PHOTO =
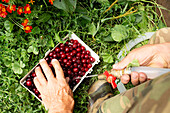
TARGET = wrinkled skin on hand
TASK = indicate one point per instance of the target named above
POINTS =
(55, 92)
(153, 55)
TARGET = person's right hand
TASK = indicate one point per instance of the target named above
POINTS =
(155, 55)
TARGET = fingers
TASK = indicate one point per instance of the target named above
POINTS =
(47, 70)
(142, 77)
(37, 84)
(40, 76)
(58, 69)
(135, 78)
(125, 79)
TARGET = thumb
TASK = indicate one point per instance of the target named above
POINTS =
(122, 64)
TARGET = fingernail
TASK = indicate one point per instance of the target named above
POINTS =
(53, 60)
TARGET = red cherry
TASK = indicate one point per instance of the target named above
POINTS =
(74, 52)
(92, 59)
(78, 54)
(67, 43)
(78, 49)
(68, 63)
(84, 52)
(51, 54)
(77, 81)
(80, 72)
(39, 96)
(75, 74)
(84, 65)
(83, 73)
(67, 54)
(61, 45)
(75, 41)
(33, 74)
(86, 56)
(57, 49)
(87, 52)
(89, 65)
(86, 69)
(83, 60)
(47, 59)
(63, 55)
(28, 83)
(67, 49)
(65, 61)
(82, 56)
(54, 55)
(70, 47)
(60, 60)
(54, 52)
(62, 48)
(74, 45)
(75, 64)
(61, 52)
(71, 41)
(50, 65)
(83, 48)
(36, 91)
(58, 54)
(69, 72)
(69, 57)
(65, 65)
(78, 44)
(74, 60)
(51, 58)
(82, 68)
(71, 53)
(75, 70)
(88, 61)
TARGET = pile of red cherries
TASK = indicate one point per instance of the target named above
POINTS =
(74, 59)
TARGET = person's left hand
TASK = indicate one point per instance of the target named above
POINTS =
(55, 92)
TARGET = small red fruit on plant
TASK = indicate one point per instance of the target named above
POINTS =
(75, 70)
(28, 83)
(89, 65)
(50, 54)
(87, 52)
(75, 41)
(57, 49)
(33, 74)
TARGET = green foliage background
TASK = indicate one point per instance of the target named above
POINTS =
(19, 52)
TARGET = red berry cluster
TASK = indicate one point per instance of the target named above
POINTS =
(30, 84)
(74, 59)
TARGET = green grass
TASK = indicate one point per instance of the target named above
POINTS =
(14, 43)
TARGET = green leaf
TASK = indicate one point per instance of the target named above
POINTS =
(119, 32)
(134, 63)
(66, 5)
(51, 42)
(36, 30)
(33, 49)
(8, 25)
(30, 49)
(58, 39)
(44, 18)
(107, 58)
(16, 68)
(0, 71)
(92, 29)
(22, 65)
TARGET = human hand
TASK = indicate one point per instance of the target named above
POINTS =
(55, 92)
(155, 55)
